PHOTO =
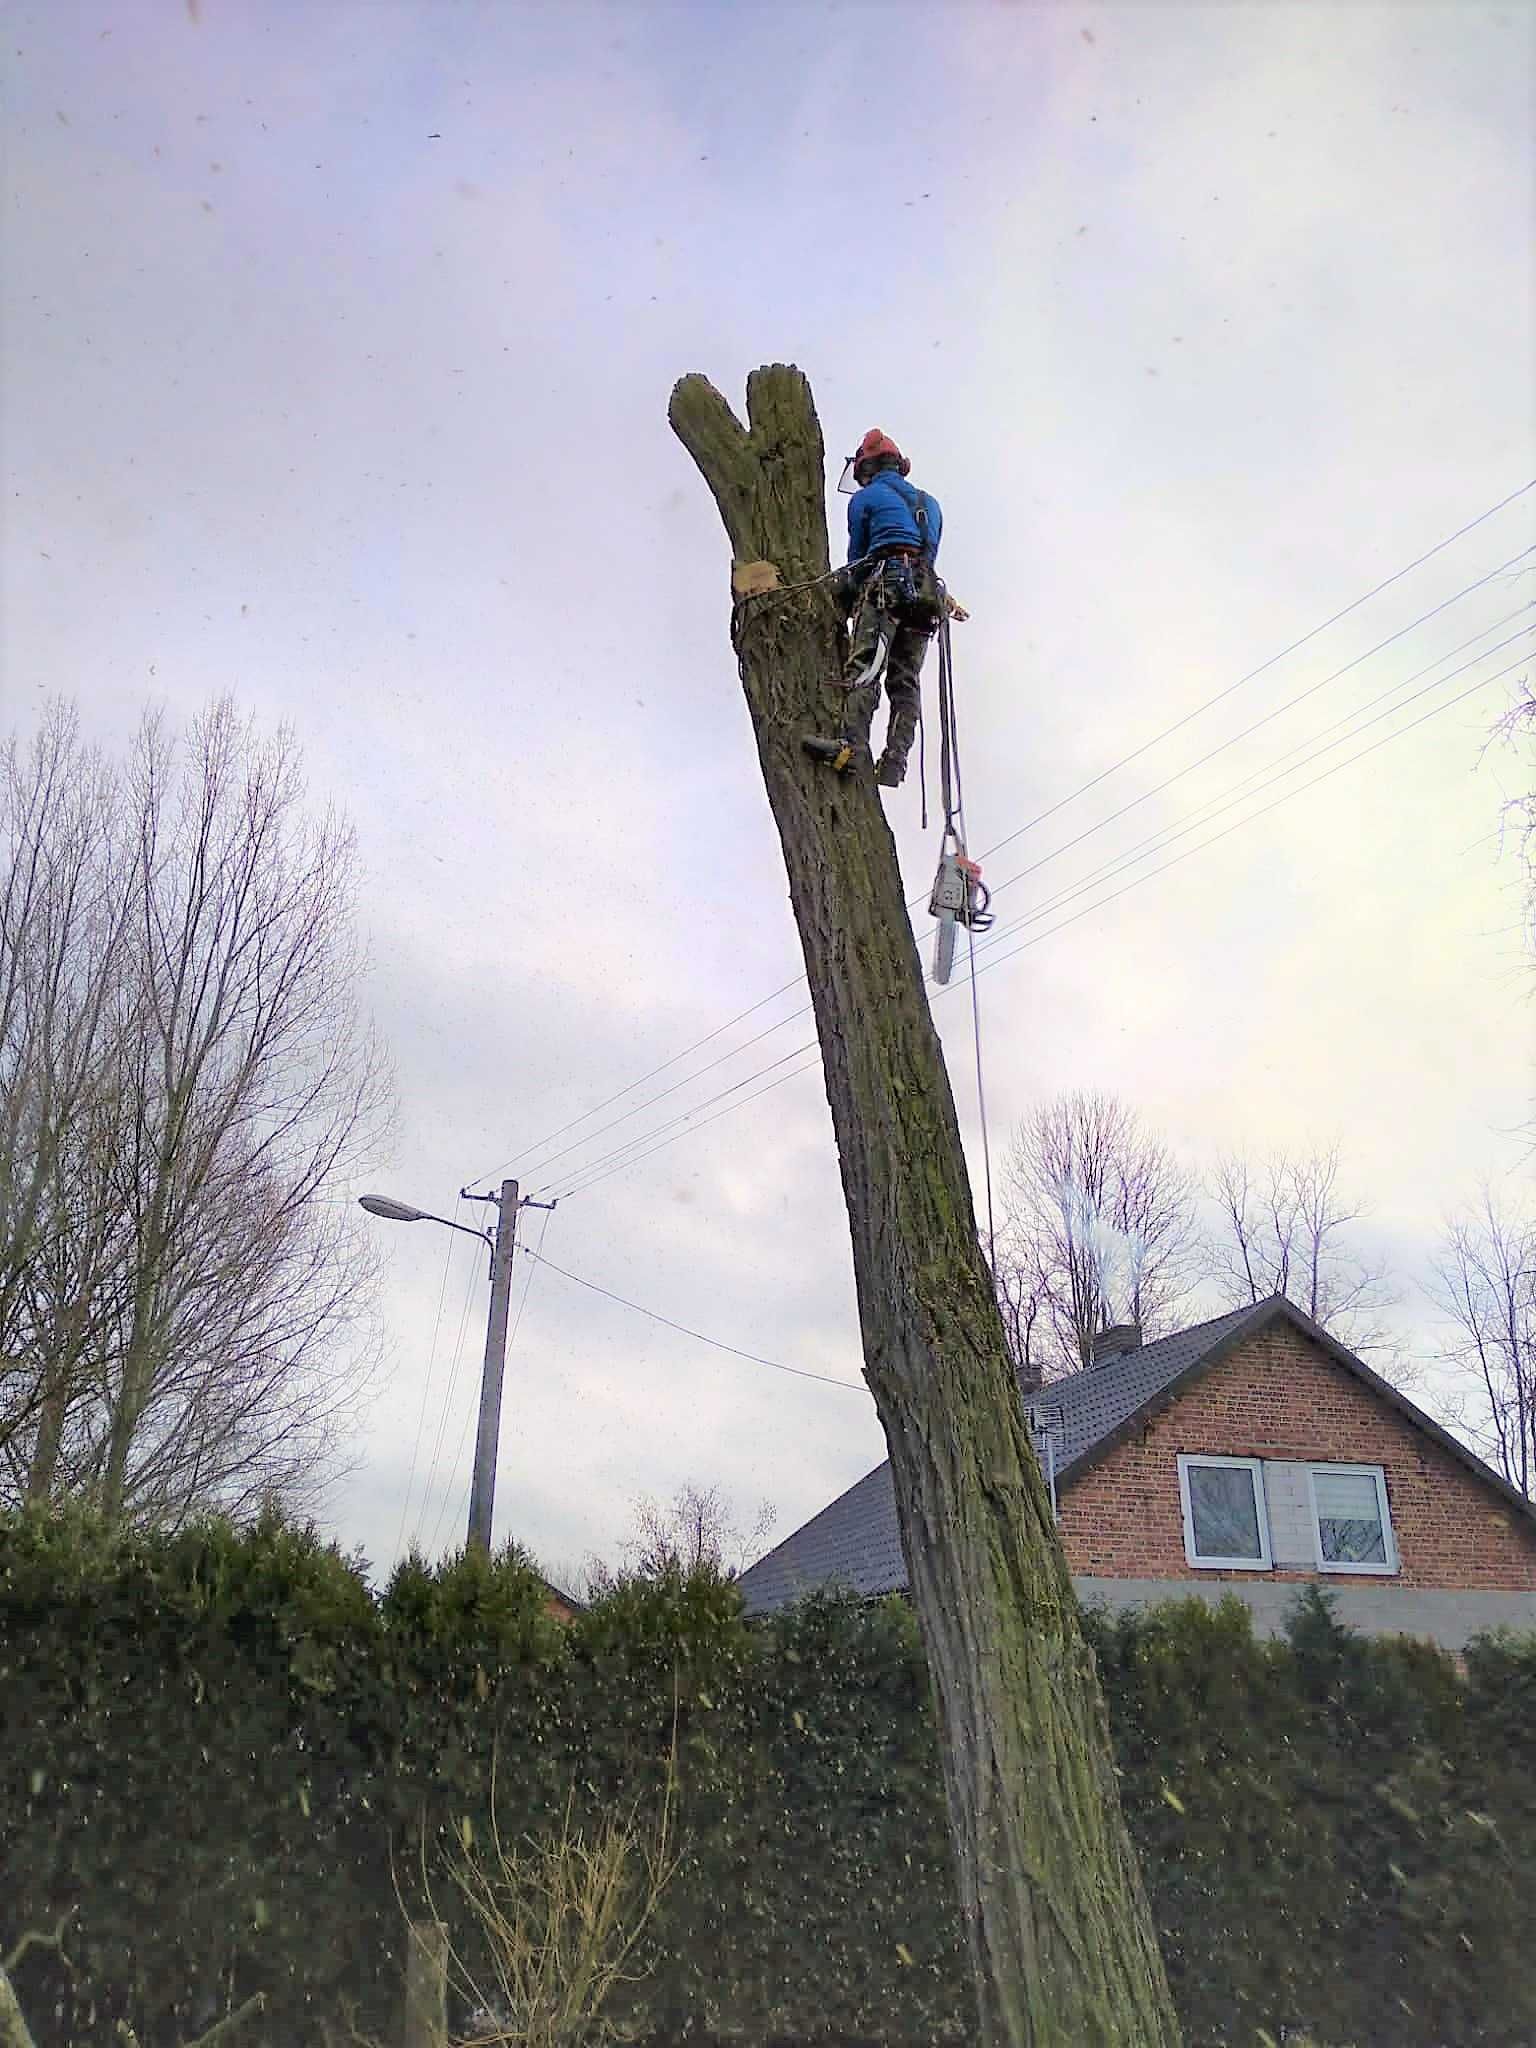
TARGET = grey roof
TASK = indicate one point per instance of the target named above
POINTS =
(855, 1544)
(1089, 1406)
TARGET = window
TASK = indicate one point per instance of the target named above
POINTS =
(1349, 1509)
(1224, 1519)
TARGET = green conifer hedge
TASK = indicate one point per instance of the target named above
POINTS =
(228, 1761)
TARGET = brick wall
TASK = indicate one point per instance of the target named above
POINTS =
(1280, 1396)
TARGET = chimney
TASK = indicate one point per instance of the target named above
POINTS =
(1115, 1343)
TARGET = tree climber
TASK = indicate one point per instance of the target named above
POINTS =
(891, 588)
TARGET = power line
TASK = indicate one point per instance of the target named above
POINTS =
(697, 1075)
(1100, 825)
(426, 1389)
(583, 1186)
(1253, 673)
(1237, 792)
(442, 1420)
(1203, 760)
(583, 1176)
(683, 1117)
(1310, 783)
(805, 1066)
(543, 1166)
(618, 1095)
(698, 1335)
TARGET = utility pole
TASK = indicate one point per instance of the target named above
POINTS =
(503, 1242)
(482, 1492)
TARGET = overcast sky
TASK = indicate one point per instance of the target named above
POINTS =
(338, 337)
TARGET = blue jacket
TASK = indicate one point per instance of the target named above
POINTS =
(881, 516)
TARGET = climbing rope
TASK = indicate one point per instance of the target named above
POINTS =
(981, 1103)
(952, 796)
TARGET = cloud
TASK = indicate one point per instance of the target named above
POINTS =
(1198, 331)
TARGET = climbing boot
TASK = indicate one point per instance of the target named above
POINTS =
(891, 770)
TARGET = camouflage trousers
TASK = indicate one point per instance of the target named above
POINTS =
(874, 621)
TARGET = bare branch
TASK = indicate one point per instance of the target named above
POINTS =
(184, 1305)
(1285, 1228)
(1100, 1220)
(1485, 1286)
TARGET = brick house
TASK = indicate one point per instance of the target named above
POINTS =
(1252, 1454)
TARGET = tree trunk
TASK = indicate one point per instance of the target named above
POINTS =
(1061, 1938)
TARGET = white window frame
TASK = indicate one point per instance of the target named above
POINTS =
(1389, 1539)
(1262, 1562)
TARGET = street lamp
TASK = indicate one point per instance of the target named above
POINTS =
(482, 1492)
(402, 1212)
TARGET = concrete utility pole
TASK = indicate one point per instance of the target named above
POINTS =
(503, 1242)
(482, 1492)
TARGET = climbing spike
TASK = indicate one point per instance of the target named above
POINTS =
(838, 754)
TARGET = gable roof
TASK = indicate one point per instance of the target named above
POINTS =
(854, 1543)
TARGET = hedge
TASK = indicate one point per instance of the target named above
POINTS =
(226, 1760)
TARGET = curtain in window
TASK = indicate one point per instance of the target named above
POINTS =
(1349, 1518)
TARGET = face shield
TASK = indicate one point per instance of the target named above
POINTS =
(848, 483)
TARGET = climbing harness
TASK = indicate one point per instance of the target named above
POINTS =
(960, 897)
(902, 590)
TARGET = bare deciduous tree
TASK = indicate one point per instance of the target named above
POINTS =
(1285, 1228)
(696, 1530)
(63, 916)
(1099, 1231)
(188, 1281)
(1485, 1283)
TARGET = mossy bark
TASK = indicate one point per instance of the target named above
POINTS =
(1061, 1939)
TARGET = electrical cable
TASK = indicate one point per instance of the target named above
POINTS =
(584, 1185)
(535, 1165)
(1202, 760)
(580, 1177)
(529, 1158)
(981, 1101)
(623, 1166)
(1385, 740)
(856, 1386)
(1254, 673)
(442, 1420)
(1262, 773)
(1067, 845)
(682, 1116)
(1213, 807)
(426, 1388)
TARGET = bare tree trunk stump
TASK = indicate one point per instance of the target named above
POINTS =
(1061, 1939)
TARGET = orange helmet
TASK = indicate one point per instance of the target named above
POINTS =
(875, 447)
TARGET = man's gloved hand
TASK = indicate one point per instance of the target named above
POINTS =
(957, 612)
